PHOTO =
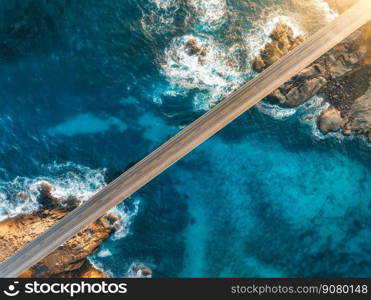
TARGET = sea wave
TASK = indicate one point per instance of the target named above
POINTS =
(68, 180)
(104, 253)
(258, 36)
(211, 74)
(275, 111)
(161, 19)
(328, 13)
(210, 13)
(313, 108)
(126, 213)
(223, 69)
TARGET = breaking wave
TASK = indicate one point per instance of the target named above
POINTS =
(68, 179)
(126, 213)
(210, 13)
(258, 36)
(275, 111)
(222, 69)
(136, 271)
(211, 74)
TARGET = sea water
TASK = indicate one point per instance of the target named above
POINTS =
(88, 88)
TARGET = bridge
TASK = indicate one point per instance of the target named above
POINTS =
(188, 139)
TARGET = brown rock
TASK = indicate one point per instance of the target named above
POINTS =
(283, 41)
(17, 231)
(193, 48)
(146, 272)
(341, 5)
(330, 120)
(258, 64)
(359, 118)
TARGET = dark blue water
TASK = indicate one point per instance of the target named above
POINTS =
(87, 88)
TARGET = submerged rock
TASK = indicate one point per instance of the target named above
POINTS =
(68, 260)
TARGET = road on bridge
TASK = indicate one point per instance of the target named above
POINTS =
(188, 139)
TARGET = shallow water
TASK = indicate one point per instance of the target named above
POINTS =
(97, 85)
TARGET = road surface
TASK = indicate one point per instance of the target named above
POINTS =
(188, 139)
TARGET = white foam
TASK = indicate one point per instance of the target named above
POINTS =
(210, 74)
(126, 215)
(135, 270)
(164, 4)
(160, 20)
(315, 106)
(257, 37)
(69, 180)
(275, 111)
(210, 13)
(104, 253)
(99, 266)
(323, 6)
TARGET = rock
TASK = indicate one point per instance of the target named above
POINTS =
(17, 231)
(359, 117)
(343, 91)
(283, 41)
(342, 60)
(341, 5)
(330, 120)
(341, 75)
(338, 69)
(298, 95)
(308, 117)
(294, 96)
(193, 48)
(145, 272)
(86, 271)
(258, 64)
(366, 43)
(47, 200)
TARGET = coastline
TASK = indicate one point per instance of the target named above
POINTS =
(70, 259)
(341, 77)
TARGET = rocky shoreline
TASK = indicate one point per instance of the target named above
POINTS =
(341, 77)
(70, 259)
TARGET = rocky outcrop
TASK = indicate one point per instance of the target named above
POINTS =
(283, 41)
(192, 48)
(359, 116)
(340, 61)
(330, 120)
(341, 5)
(342, 76)
(68, 260)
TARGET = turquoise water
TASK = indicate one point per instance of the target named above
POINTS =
(97, 85)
